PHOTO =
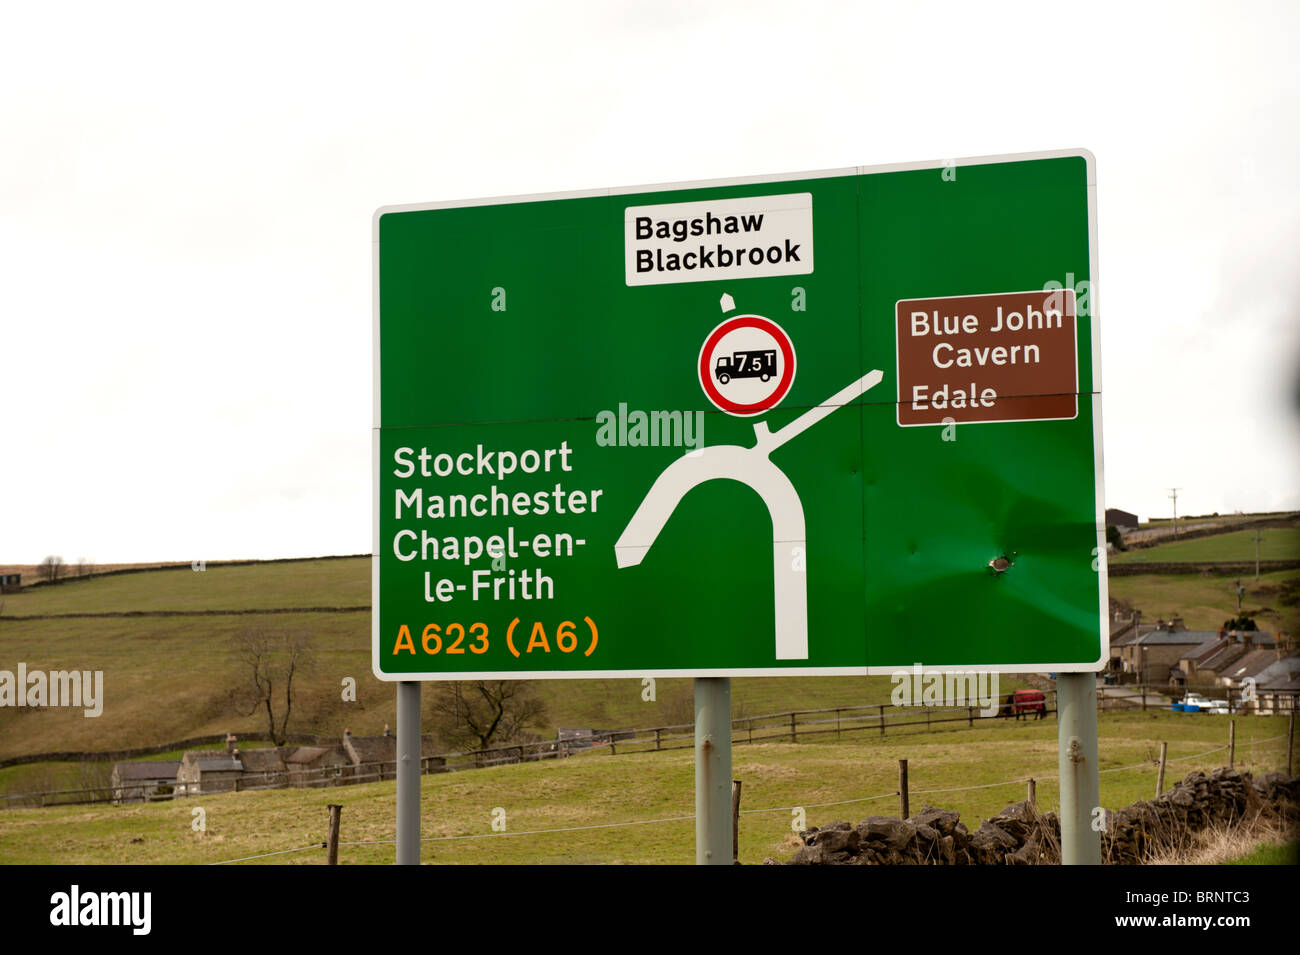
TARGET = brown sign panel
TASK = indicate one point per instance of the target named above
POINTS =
(1003, 357)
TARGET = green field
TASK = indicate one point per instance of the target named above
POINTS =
(1205, 602)
(168, 678)
(599, 790)
(306, 583)
(171, 678)
(1276, 543)
(1288, 854)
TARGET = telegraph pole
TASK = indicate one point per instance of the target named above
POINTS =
(1173, 493)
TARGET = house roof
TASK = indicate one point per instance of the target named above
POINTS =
(1167, 638)
(217, 764)
(165, 769)
(1125, 638)
(1252, 664)
(374, 749)
(1202, 651)
(1224, 657)
(1279, 673)
(383, 749)
(308, 754)
(265, 760)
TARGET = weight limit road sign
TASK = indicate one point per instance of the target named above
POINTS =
(828, 423)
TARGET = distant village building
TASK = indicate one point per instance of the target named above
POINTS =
(1122, 520)
(1152, 657)
(204, 771)
(357, 759)
(143, 781)
(316, 765)
(11, 583)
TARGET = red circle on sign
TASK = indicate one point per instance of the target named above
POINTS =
(787, 373)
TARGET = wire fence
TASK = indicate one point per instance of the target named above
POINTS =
(1147, 765)
(881, 719)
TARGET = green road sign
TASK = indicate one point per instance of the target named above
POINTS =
(828, 423)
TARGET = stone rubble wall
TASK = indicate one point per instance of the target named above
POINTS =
(1020, 835)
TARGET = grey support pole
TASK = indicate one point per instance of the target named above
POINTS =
(408, 773)
(713, 771)
(1076, 715)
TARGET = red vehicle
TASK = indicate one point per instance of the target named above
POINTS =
(1025, 703)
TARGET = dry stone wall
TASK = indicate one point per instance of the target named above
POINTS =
(1020, 835)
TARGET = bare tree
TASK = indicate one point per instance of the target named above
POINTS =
(85, 567)
(478, 713)
(270, 661)
(50, 568)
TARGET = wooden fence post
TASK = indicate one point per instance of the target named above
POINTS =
(792, 736)
(902, 788)
(1232, 742)
(882, 719)
(332, 845)
(657, 737)
(1160, 774)
(735, 822)
(1290, 735)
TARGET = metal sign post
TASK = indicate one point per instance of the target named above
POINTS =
(1076, 715)
(408, 773)
(713, 771)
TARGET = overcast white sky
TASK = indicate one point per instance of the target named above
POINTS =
(186, 195)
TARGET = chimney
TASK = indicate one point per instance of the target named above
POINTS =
(387, 732)
(230, 743)
(1248, 639)
(347, 733)
(1176, 624)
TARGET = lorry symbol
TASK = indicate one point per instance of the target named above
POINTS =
(760, 363)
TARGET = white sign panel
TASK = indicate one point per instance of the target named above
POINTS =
(718, 239)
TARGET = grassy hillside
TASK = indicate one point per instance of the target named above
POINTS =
(1205, 602)
(1277, 543)
(596, 790)
(170, 678)
(307, 583)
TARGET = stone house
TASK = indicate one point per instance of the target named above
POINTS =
(316, 765)
(1152, 656)
(143, 781)
(375, 757)
(207, 771)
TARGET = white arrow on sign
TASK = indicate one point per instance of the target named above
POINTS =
(751, 466)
